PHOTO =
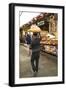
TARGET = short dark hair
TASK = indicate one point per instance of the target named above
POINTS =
(35, 34)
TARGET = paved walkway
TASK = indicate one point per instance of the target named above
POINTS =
(47, 64)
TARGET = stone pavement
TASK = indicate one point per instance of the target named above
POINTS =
(47, 64)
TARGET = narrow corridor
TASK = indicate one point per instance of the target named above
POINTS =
(47, 64)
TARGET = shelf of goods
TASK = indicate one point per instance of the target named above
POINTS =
(49, 46)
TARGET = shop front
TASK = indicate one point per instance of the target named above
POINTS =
(46, 25)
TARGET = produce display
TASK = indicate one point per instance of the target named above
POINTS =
(49, 45)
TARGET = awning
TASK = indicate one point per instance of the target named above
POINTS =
(34, 28)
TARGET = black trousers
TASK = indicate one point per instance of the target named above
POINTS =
(35, 61)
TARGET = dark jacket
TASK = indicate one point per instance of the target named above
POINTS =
(35, 45)
(28, 39)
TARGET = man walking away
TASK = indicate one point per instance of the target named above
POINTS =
(35, 46)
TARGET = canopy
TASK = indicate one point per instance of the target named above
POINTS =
(34, 28)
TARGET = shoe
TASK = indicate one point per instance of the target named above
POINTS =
(35, 74)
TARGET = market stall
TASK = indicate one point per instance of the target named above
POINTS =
(49, 44)
(45, 24)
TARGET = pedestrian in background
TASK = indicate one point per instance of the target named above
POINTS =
(28, 41)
